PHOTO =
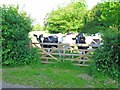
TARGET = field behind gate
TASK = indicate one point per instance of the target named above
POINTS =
(79, 57)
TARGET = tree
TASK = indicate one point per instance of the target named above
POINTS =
(37, 27)
(110, 14)
(103, 16)
(69, 18)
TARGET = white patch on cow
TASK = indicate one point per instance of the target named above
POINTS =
(42, 38)
(88, 39)
(68, 39)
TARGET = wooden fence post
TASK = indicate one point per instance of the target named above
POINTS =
(30, 43)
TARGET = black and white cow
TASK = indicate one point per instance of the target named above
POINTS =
(48, 39)
(80, 39)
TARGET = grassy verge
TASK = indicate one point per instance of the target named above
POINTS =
(59, 75)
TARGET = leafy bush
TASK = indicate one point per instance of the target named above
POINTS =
(15, 41)
(106, 57)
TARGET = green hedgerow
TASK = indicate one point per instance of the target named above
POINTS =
(15, 42)
(106, 57)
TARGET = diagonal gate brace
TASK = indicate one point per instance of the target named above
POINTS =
(46, 52)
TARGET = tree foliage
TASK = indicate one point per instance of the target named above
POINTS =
(69, 18)
(110, 14)
(102, 17)
(15, 41)
(37, 27)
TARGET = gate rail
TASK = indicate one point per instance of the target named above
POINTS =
(79, 57)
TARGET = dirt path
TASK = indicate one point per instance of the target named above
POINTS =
(8, 85)
(4, 84)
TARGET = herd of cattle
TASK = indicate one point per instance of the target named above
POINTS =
(69, 38)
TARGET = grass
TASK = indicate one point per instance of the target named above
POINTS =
(59, 75)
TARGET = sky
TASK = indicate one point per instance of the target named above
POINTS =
(38, 9)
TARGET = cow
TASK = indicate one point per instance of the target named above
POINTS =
(94, 40)
(67, 42)
(48, 39)
(80, 39)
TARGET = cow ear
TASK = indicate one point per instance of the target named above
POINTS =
(73, 38)
(34, 35)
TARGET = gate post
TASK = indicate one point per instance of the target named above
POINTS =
(30, 43)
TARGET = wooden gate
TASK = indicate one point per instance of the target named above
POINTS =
(79, 57)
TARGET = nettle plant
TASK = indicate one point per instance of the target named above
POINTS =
(15, 28)
(106, 58)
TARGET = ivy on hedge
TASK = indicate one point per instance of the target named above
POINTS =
(106, 57)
